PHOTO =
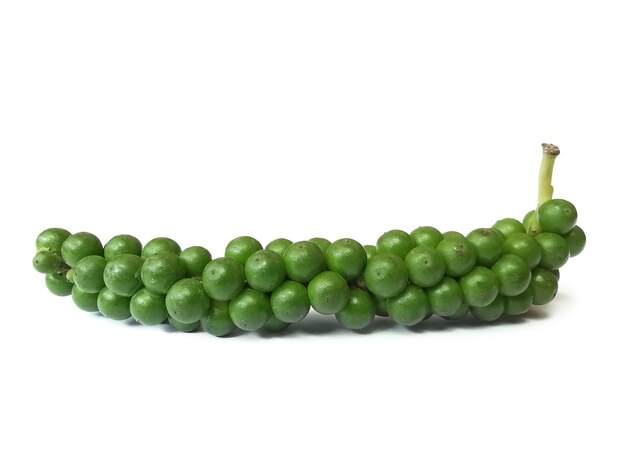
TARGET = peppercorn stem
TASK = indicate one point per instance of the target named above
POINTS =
(546, 190)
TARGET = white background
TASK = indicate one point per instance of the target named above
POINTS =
(203, 121)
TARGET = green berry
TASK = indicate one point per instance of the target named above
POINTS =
(528, 219)
(386, 275)
(321, 243)
(279, 245)
(162, 271)
(47, 262)
(69, 275)
(241, 248)
(51, 239)
(487, 244)
(508, 226)
(290, 302)
(410, 306)
(557, 216)
(358, 312)
(513, 274)
(426, 235)
(89, 274)
(346, 257)
(554, 250)
(480, 286)
(79, 245)
(490, 312)
(122, 245)
(445, 298)
(396, 242)
(543, 286)
(195, 259)
(275, 325)
(265, 270)
(303, 261)
(458, 254)
(160, 245)
(183, 327)
(425, 265)
(576, 240)
(250, 310)
(370, 251)
(186, 301)
(223, 278)
(518, 304)
(148, 308)
(123, 274)
(86, 301)
(113, 306)
(524, 246)
(58, 284)
(328, 292)
(217, 320)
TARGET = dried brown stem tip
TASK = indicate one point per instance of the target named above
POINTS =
(550, 149)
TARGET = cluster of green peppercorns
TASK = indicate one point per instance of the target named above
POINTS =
(407, 276)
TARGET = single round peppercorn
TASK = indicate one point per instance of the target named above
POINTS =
(328, 292)
(303, 261)
(346, 257)
(86, 301)
(217, 320)
(461, 312)
(321, 243)
(89, 274)
(79, 245)
(445, 298)
(480, 286)
(290, 302)
(148, 308)
(241, 248)
(186, 301)
(426, 235)
(195, 259)
(250, 310)
(358, 312)
(47, 262)
(557, 216)
(524, 246)
(122, 245)
(183, 327)
(58, 284)
(161, 271)
(51, 239)
(410, 306)
(396, 242)
(543, 286)
(518, 304)
(508, 226)
(265, 270)
(554, 250)
(160, 245)
(458, 254)
(513, 274)
(386, 275)
(576, 240)
(123, 274)
(487, 244)
(113, 306)
(223, 278)
(279, 245)
(490, 312)
(425, 265)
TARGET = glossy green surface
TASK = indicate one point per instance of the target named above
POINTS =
(524, 246)
(557, 216)
(346, 257)
(51, 239)
(513, 274)
(426, 235)
(186, 301)
(195, 259)
(113, 306)
(303, 261)
(47, 262)
(509, 225)
(480, 286)
(79, 245)
(183, 327)
(279, 245)
(223, 278)
(148, 308)
(518, 304)
(358, 312)
(265, 270)
(217, 320)
(487, 244)
(161, 271)
(554, 250)
(123, 274)
(409, 307)
(458, 254)
(160, 245)
(86, 301)
(386, 275)
(290, 302)
(543, 286)
(58, 284)
(122, 245)
(576, 240)
(445, 298)
(89, 274)
(321, 243)
(396, 242)
(250, 310)
(241, 248)
(425, 266)
(328, 292)
(490, 312)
